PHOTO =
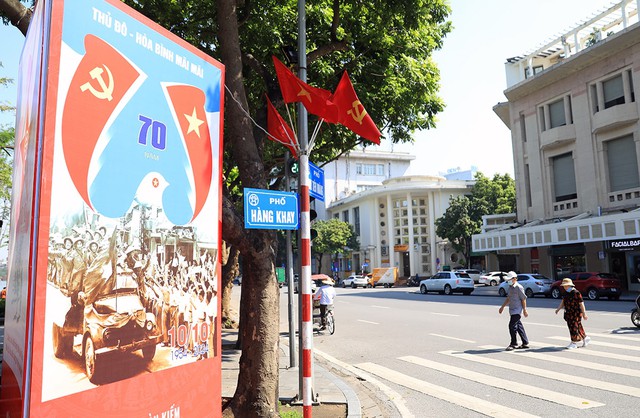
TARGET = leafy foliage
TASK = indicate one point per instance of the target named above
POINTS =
(334, 237)
(385, 46)
(463, 217)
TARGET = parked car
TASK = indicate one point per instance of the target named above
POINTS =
(314, 284)
(356, 280)
(591, 285)
(473, 273)
(448, 282)
(493, 278)
(534, 284)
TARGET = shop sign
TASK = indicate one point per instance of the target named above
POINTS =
(625, 244)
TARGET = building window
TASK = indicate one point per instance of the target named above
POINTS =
(527, 184)
(359, 168)
(336, 216)
(345, 215)
(613, 91)
(356, 220)
(523, 128)
(555, 114)
(622, 163)
(564, 177)
(364, 187)
(380, 169)
(536, 69)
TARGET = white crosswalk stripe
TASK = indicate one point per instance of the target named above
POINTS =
(604, 355)
(540, 393)
(563, 377)
(602, 344)
(570, 361)
(470, 402)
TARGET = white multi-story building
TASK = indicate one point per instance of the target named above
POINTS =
(394, 223)
(574, 120)
(360, 170)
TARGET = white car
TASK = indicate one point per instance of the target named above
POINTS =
(473, 273)
(448, 282)
(296, 281)
(534, 284)
(493, 278)
(356, 280)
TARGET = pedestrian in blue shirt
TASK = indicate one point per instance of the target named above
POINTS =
(517, 301)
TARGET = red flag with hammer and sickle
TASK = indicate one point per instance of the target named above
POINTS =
(314, 99)
(351, 112)
(100, 82)
(279, 130)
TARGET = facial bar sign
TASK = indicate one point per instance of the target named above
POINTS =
(626, 245)
(267, 209)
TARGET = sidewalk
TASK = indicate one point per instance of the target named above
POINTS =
(329, 389)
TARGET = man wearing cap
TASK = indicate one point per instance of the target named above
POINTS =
(325, 294)
(517, 301)
(574, 311)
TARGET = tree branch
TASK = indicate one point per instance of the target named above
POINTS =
(18, 14)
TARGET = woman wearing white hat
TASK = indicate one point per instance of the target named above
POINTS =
(574, 311)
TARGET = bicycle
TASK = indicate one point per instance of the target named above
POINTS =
(317, 319)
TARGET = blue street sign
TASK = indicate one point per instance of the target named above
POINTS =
(316, 175)
(269, 209)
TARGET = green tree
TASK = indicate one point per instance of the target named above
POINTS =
(463, 217)
(458, 224)
(333, 237)
(7, 135)
(387, 49)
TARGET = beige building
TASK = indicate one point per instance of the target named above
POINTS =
(394, 223)
(574, 120)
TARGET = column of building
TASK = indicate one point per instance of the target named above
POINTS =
(390, 231)
(412, 255)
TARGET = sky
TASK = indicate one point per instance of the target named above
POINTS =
(471, 62)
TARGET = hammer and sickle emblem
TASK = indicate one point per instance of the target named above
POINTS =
(355, 113)
(106, 90)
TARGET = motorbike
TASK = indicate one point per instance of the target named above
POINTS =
(635, 312)
(414, 280)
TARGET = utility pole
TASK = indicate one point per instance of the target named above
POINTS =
(305, 228)
(289, 273)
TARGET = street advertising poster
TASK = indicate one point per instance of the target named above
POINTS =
(125, 221)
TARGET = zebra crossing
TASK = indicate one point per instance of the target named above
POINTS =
(541, 362)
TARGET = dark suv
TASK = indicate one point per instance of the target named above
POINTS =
(592, 285)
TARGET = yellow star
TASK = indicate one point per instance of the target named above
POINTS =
(194, 122)
(304, 93)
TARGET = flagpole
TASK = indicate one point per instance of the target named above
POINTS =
(316, 129)
(305, 227)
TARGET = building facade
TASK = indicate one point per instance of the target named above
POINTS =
(574, 120)
(360, 170)
(395, 226)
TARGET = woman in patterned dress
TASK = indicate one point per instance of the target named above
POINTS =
(574, 312)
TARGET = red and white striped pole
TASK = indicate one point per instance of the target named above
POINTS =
(305, 280)
(306, 324)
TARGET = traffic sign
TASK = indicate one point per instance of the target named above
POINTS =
(316, 175)
(269, 209)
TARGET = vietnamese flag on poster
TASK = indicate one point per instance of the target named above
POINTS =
(188, 103)
(279, 130)
(352, 113)
(316, 100)
(98, 86)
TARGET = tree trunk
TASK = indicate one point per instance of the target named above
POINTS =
(18, 14)
(229, 272)
(257, 389)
